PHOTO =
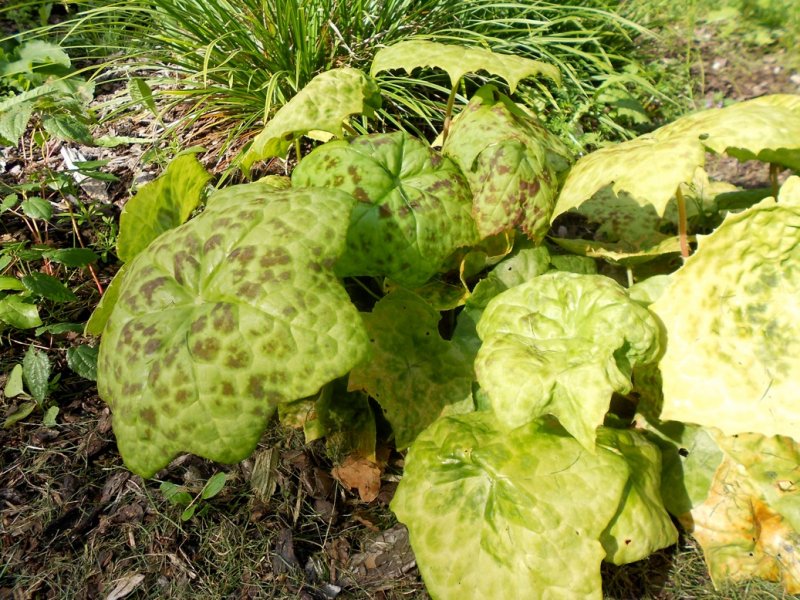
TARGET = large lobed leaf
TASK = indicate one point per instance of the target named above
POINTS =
(459, 60)
(645, 172)
(412, 372)
(731, 315)
(510, 161)
(562, 344)
(322, 105)
(161, 205)
(520, 514)
(221, 319)
(738, 496)
(413, 206)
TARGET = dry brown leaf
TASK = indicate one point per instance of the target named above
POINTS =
(360, 473)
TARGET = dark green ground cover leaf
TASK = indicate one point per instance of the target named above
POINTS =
(510, 161)
(412, 372)
(47, 286)
(562, 344)
(19, 313)
(83, 360)
(413, 205)
(161, 205)
(36, 372)
(322, 105)
(223, 318)
(494, 513)
(72, 257)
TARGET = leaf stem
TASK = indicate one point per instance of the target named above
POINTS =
(773, 179)
(682, 223)
(448, 112)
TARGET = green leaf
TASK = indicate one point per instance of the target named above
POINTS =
(573, 264)
(83, 360)
(59, 328)
(161, 205)
(322, 105)
(18, 313)
(213, 486)
(99, 317)
(522, 266)
(47, 286)
(140, 92)
(49, 417)
(622, 253)
(413, 373)
(641, 525)
(36, 373)
(67, 127)
(413, 206)
(36, 52)
(14, 122)
(14, 383)
(502, 514)
(188, 513)
(8, 203)
(10, 283)
(503, 151)
(562, 344)
(25, 409)
(459, 60)
(37, 208)
(221, 319)
(175, 494)
(72, 257)
(731, 319)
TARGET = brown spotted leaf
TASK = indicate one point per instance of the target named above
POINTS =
(511, 163)
(223, 318)
(413, 206)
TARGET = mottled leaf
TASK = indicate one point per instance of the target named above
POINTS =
(161, 205)
(99, 317)
(323, 105)
(623, 253)
(459, 60)
(503, 151)
(731, 315)
(221, 319)
(413, 206)
(745, 512)
(641, 525)
(502, 514)
(412, 372)
(562, 344)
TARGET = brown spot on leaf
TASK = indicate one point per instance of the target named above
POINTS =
(255, 387)
(150, 287)
(148, 415)
(207, 349)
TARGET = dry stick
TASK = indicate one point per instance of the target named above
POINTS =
(682, 234)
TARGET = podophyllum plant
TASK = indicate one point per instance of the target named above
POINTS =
(564, 417)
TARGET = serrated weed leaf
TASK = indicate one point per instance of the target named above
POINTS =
(412, 372)
(730, 313)
(72, 257)
(322, 105)
(36, 373)
(457, 61)
(508, 514)
(161, 205)
(83, 360)
(503, 152)
(221, 319)
(562, 344)
(413, 206)
(47, 286)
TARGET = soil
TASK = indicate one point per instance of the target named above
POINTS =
(74, 523)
